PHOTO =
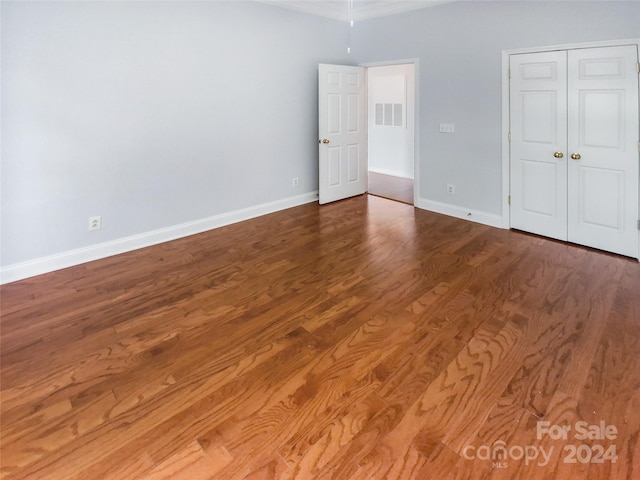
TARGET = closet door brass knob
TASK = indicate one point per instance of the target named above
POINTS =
(325, 140)
(558, 154)
(576, 156)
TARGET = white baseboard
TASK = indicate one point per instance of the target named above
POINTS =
(459, 212)
(393, 173)
(38, 266)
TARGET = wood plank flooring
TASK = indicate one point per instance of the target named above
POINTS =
(391, 187)
(363, 339)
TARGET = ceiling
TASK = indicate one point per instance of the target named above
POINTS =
(361, 9)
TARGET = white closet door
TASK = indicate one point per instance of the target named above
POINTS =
(603, 148)
(538, 102)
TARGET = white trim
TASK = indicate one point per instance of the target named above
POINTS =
(384, 9)
(477, 216)
(392, 173)
(387, 63)
(574, 46)
(506, 222)
(38, 266)
(360, 11)
(506, 184)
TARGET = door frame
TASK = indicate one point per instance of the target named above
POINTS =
(416, 115)
(506, 222)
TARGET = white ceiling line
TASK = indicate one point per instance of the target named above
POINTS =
(361, 10)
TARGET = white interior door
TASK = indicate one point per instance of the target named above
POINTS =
(538, 103)
(603, 148)
(342, 112)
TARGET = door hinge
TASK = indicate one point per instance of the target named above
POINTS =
(509, 200)
(638, 224)
(509, 73)
(638, 65)
(509, 137)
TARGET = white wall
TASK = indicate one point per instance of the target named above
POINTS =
(152, 114)
(157, 114)
(459, 47)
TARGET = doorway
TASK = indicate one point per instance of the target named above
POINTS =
(343, 131)
(391, 127)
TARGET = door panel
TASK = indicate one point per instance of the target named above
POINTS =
(606, 210)
(353, 163)
(540, 117)
(603, 131)
(334, 161)
(535, 174)
(343, 133)
(538, 131)
(333, 114)
(353, 113)
(603, 114)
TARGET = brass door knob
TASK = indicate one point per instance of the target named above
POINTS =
(325, 140)
(576, 156)
(558, 154)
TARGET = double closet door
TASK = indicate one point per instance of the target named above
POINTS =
(574, 146)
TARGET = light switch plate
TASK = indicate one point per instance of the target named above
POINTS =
(447, 128)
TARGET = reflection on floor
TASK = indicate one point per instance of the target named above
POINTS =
(394, 188)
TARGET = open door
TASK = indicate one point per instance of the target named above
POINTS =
(342, 112)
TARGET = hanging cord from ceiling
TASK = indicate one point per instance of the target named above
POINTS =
(350, 17)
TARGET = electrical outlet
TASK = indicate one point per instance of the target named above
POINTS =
(295, 182)
(95, 223)
(451, 189)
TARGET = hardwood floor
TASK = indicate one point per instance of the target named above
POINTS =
(363, 339)
(393, 188)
